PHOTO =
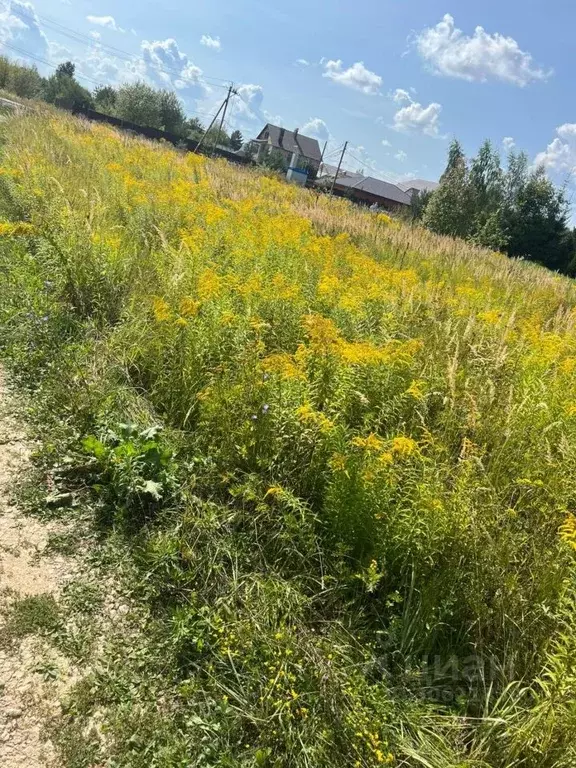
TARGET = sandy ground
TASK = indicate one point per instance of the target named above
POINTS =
(26, 697)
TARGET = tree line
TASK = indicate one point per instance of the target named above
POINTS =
(514, 209)
(136, 102)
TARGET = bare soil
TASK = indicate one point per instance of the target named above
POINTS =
(27, 695)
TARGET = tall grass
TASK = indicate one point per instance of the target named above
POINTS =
(358, 528)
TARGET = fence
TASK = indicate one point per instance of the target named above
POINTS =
(157, 134)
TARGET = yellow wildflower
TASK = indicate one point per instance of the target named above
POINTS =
(189, 307)
(567, 530)
(161, 310)
(371, 443)
(404, 446)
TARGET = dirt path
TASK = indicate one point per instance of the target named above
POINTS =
(26, 695)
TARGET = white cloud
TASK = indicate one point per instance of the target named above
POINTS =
(401, 155)
(416, 117)
(317, 128)
(105, 21)
(560, 155)
(386, 143)
(401, 95)
(302, 62)
(19, 23)
(357, 76)
(95, 35)
(211, 42)
(508, 143)
(164, 62)
(479, 57)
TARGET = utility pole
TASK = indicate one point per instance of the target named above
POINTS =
(226, 100)
(338, 169)
(197, 147)
(322, 157)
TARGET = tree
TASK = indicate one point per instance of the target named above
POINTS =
(236, 140)
(249, 150)
(138, 103)
(487, 196)
(63, 90)
(66, 69)
(450, 209)
(172, 115)
(456, 159)
(193, 129)
(216, 137)
(105, 98)
(275, 161)
(418, 203)
(537, 224)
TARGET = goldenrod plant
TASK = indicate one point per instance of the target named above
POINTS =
(339, 452)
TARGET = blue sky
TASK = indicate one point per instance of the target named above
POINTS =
(396, 79)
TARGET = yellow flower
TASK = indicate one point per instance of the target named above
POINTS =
(282, 364)
(417, 389)
(17, 229)
(371, 443)
(161, 310)
(404, 446)
(338, 462)
(567, 530)
(189, 307)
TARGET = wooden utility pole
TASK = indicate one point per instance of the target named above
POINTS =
(338, 169)
(225, 105)
(220, 108)
(322, 157)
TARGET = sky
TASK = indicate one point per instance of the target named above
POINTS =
(397, 80)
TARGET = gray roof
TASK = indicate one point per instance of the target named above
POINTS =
(419, 184)
(291, 142)
(374, 187)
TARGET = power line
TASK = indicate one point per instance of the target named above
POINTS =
(83, 39)
(78, 73)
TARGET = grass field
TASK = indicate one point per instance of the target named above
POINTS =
(338, 452)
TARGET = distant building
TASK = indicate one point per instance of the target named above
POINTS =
(300, 152)
(368, 190)
(418, 185)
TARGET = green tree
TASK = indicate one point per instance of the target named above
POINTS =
(236, 140)
(450, 209)
(418, 203)
(172, 115)
(66, 69)
(486, 181)
(105, 98)
(193, 129)
(63, 90)
(275, 161)
(139, 103)
(537, 224)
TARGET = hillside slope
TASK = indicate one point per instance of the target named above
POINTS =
(339, 453)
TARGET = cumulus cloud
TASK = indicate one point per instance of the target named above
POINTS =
(480, 57)
(356, 76)
(508, 143)
(211, 42)
(386, 143)
(105, 21)
(317, 128)
(164, 62)
(418, 118)
(400, 95)
(20, 24)
(560, 155)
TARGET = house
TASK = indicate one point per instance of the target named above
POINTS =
(418, 185)
(299, 151)
(368, 190)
